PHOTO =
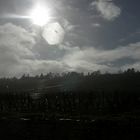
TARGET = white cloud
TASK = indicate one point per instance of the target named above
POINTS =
(107, 9)
(96, 25)
(15, 45)
(17, 56)
(68, 26)
(89, 58)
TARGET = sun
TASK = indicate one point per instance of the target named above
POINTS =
(40, 15)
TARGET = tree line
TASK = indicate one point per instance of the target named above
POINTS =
(71, 94)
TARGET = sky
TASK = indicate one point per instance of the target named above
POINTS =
(80, 35)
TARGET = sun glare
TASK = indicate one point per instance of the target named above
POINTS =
(40, 15)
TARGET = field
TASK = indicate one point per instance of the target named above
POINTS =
(71, 107)
(70, 129)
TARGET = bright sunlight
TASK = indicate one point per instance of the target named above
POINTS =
(40, 15)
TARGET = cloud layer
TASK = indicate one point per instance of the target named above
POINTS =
(15, 47)
(18, 55)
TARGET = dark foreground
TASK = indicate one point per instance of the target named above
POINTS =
(22, 129)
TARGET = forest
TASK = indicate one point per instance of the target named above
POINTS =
(71, 95)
